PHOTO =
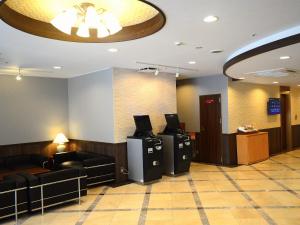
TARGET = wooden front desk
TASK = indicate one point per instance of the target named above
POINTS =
(252, 148)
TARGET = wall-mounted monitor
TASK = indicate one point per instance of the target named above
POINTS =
(274, 106)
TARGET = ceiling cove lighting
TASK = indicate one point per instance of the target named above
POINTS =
(285, 57)
(87, 16)
(211, 19)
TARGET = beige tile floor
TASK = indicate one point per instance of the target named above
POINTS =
(264, 193)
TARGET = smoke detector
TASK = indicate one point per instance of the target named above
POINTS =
(280, 72)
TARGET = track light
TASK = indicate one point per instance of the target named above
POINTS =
(19, 77)
(156, 72)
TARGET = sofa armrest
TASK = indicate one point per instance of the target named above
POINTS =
(30, 179)
(98, 161)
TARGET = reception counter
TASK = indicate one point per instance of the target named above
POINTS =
(252, 148)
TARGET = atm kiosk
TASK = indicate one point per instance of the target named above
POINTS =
(144, 152)
(177, 147)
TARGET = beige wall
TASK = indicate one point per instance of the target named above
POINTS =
(188, 92)
(139, 93)
(247, 104)
(295, 105)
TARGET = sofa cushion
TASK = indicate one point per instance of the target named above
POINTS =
(16, 161)
(71, 164)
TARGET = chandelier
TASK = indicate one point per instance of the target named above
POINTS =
(85, 16)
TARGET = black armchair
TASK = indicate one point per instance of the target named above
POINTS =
(13, 195)
(54, 188)
(99, 168)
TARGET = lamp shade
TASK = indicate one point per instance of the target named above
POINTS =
(60, 139)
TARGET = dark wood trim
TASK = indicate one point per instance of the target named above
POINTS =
(229, 150)
(43, 29)
(118, 151)
(296, 136)
(274, 140)
(294, 39)
(46, 148)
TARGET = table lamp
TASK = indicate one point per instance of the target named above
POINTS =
(60, 140)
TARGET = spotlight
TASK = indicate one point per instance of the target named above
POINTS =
(177, 74)
(156, 72)
(19, 77)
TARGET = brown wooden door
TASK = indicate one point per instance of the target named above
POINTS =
(210, 129)
(283, 101)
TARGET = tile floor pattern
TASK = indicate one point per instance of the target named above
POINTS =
(264, 193)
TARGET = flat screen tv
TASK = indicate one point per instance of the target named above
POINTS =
(172, 121)
(142, 123)
(274, 106)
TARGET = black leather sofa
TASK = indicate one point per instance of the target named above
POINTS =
(99, 168)
(13, 196)
(14, 164)
(54, 188)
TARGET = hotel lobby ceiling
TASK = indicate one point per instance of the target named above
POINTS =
(240, 23)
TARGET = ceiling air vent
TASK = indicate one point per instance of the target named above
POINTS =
(280, 72)
(148, 70)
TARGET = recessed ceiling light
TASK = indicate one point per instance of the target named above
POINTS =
(156, 72)
(241, 78)
(275, 82)
(57, 67)
(178, 43)
(285, 57)
(216, 51)
(113, 50)
(177, 74)
(210, 19)
(192, 62)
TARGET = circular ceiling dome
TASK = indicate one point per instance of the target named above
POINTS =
(137, 18)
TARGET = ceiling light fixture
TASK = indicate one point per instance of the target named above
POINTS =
(241, 78)
(156, 72)
(178, 43)
(275, 82)
(285, 57)
(211, 19)
(192, 62)
(177, 73)
(57, 67)
(113, 50)
(87, 17)
(19, 76)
